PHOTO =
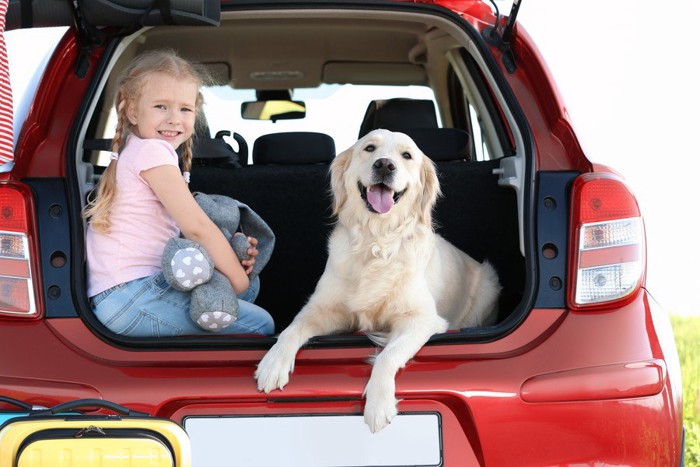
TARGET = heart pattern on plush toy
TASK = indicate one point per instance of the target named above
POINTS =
(219, 320)
(190, 268)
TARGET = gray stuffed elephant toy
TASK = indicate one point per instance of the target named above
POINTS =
(188, 267)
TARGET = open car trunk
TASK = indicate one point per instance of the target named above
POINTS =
(483, 170)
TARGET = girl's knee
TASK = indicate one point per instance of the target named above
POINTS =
(254, 320)
(260, 322)
(268, 326)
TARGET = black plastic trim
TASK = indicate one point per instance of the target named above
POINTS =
(682, 462)
(553, 189)
(53, 221)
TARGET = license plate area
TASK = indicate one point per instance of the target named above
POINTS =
(412, 439)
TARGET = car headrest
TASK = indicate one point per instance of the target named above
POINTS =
(214, 152)
(399, 113)
(442, 144)
(293, 148)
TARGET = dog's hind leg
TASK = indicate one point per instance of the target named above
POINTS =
(406, 338)
(315, 319)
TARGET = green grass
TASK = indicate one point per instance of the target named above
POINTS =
(687, 332)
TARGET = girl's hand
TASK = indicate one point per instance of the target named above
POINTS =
(252, 253)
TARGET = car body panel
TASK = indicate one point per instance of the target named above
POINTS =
(489, 395)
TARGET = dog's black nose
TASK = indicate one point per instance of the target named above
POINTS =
(384, 166)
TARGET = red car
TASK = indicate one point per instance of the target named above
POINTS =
(581, 366)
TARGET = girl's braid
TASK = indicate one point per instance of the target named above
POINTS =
(187, 155)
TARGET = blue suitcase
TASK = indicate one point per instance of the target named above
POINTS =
(22, 410)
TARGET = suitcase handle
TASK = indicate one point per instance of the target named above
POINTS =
(82, 403)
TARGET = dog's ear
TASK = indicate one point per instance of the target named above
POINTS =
(431, 189)
(338, 167)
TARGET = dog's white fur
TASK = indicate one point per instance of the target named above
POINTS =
(386, 272)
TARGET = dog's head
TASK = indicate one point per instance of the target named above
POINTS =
(382, 173)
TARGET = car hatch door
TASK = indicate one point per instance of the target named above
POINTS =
(128, 14)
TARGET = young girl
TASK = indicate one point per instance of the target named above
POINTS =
(143, 200)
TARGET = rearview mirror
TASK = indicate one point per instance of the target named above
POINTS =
(273, 110)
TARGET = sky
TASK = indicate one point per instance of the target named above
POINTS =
(625, 70)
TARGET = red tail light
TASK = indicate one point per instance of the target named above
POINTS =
(17, 294)
(608, 244)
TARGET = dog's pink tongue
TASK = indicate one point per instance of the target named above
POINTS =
(381, 198)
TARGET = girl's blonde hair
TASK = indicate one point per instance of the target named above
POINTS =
(129, 86)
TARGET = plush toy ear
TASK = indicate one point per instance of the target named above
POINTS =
(431, 189)
(338, 167)
(206, 202)
(253, 225)
(222, 210)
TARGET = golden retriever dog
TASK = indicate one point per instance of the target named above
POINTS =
(387, 270)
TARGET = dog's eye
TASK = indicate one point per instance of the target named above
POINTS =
(370, 148)
(407, 155)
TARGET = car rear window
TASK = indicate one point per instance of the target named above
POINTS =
(333, 109)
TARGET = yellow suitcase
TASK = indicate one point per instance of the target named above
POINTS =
(53, 439)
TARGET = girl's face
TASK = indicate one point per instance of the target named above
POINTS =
(165, 110)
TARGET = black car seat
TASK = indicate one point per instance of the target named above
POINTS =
(417, 119)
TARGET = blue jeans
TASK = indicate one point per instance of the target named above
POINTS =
(149, 307)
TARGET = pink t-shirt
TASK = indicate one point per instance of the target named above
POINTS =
(140, 224)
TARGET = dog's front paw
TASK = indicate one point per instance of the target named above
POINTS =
(380, 405)
(274, 369)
